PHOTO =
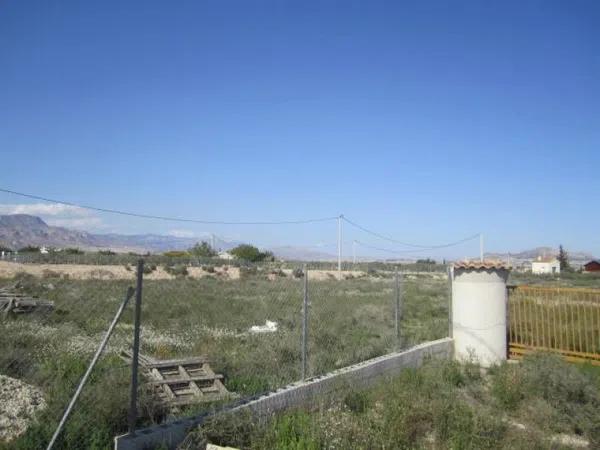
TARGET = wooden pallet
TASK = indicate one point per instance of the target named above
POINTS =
(180, 382)
(17, 303)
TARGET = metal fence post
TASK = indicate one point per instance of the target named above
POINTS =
(91, 366)
(132, 417)
(450, 323)
(305, 324)
(398, 306)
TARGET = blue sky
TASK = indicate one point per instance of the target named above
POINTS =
(426, 121)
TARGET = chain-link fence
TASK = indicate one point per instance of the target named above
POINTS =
(210, 335)
(50, 328)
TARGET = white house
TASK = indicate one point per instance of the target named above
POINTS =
(225, 255)
(549, 265)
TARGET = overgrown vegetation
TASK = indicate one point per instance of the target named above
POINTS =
(351, 320)
(29, 249)
(178, 270)
(543, 403)
(566, 279)
(251, 253)
(202, 249)
(563, 259)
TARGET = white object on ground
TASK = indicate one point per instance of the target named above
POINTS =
(268, 327)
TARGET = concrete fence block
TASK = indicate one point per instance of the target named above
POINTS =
(297, 395)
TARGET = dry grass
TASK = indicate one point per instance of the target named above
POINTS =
(350, 320)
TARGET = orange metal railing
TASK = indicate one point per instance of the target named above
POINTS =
(564, 320)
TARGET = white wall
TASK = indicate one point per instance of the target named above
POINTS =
(541, 267)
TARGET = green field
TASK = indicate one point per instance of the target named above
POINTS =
(542, 403)
(349, 321)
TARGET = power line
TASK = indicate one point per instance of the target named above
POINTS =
(387, 250)
(404, 252)
(407, 244)
(166, 218)
(218, 222)
(395, 252)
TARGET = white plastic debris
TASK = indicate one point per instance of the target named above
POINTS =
(268, 327)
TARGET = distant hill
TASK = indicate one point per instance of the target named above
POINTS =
(289, 252)
(20, 230)
(531, 254)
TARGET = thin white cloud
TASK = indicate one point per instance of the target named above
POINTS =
(85, 223)
(182, 233)
(44, 209)
(58, 215)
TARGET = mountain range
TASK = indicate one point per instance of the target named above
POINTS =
(530, 255)
(20, 230)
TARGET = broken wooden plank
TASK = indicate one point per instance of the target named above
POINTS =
(183, 381)
(189, 379)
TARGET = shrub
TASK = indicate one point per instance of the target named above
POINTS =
(251, 253)
(176, 254)
(47, 273)
(298, 273)
(372, 273)
(149, 268)
(29, 249)
(203, 250)
(277, 272)
(73, 251)
(507, 386)
(209, 269)
(426, 261)
(178, 270)
(357, 401)
(106, 252)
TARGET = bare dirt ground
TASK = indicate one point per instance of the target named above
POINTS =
(116, 272)
(119, 272)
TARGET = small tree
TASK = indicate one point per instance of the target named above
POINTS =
(563, 259)
(29, 249)
(251, 253)
(426, 261)
(203, 249)
(73, 251)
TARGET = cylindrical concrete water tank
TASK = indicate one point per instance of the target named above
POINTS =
(479, 299)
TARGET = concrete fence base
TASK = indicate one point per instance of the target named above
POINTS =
(301, 394)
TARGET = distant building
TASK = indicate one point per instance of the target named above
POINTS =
(546, 265)
(225, 255)
(43, 250)
(523, 266)
(592, 266)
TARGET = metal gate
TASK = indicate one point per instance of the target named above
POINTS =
(562, 320)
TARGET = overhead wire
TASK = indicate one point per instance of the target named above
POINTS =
(419, 247)
(166, 218)
(407, 244)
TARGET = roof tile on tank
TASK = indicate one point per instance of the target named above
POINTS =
(489, 264)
